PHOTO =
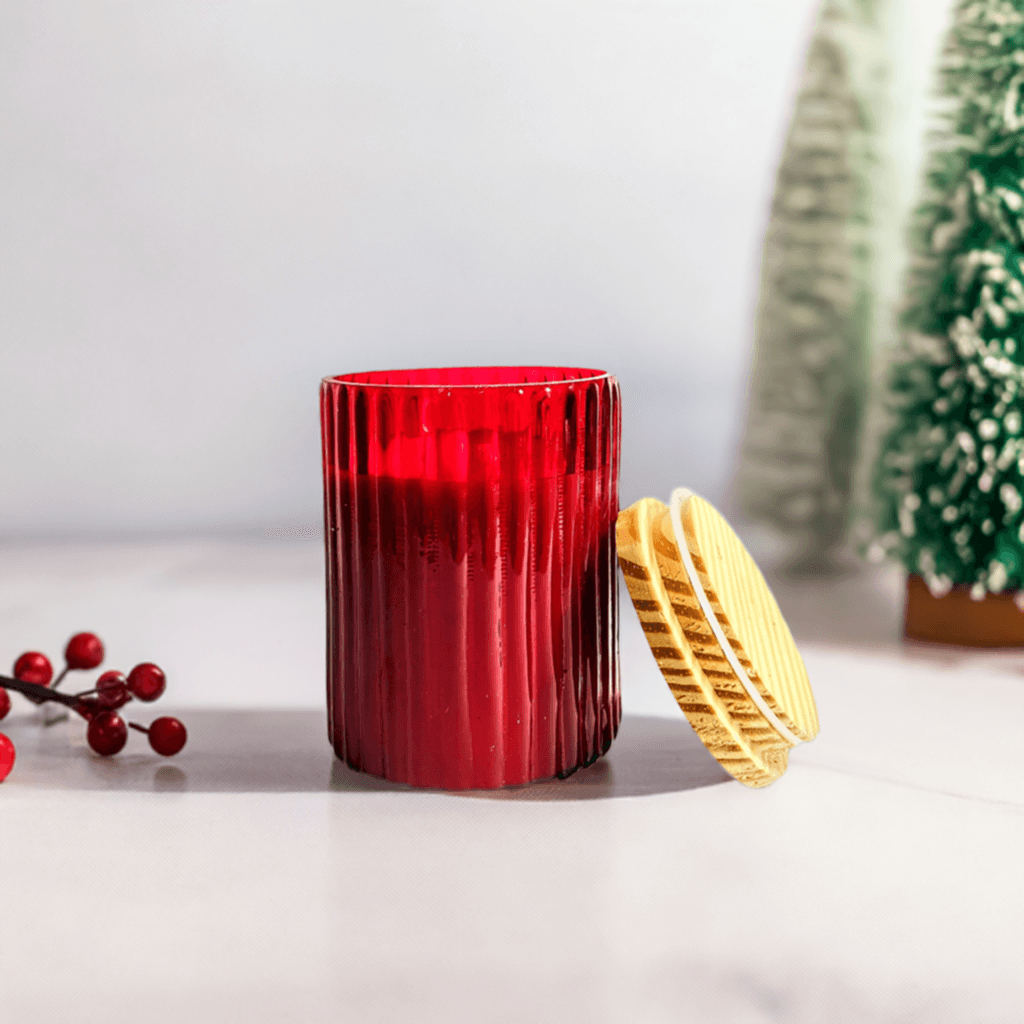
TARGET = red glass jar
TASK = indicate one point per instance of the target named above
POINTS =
(472, 612)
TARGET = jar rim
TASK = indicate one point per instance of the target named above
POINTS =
(433, 377)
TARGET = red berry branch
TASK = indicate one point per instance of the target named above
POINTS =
(107, 731)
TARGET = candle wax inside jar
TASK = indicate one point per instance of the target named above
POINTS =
(473, 641)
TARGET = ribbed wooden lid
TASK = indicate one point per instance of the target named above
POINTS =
(717, 634)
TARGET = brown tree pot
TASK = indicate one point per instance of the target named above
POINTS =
(995, 621)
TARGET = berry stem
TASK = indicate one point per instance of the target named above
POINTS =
(135, 725)
(38, 694)
(60, 677)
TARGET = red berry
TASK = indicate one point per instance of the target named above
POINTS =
(167, 736)
(5, 703)
(6, 757)
(33, 667)
(107, 733)
(112, 690)
(147, 681)
(84, 650)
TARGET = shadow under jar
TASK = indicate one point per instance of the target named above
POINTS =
(472, 607)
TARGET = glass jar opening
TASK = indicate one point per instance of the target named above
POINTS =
(470, 376)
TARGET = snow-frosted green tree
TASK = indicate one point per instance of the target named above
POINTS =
(809, 378)
(949, 478)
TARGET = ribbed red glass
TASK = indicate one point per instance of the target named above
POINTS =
(472, 614)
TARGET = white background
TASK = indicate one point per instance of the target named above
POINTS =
(208, 207)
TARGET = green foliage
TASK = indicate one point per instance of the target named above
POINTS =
(950, 477)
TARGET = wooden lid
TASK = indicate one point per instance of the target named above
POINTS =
(717, 634)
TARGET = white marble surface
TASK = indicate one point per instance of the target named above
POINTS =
(253, 879)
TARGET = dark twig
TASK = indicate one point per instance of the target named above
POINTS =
(38, 694)
(60, 678)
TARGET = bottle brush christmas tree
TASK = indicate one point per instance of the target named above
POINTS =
(809, 377)
(949, 476)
